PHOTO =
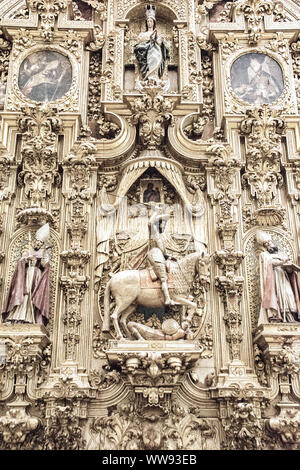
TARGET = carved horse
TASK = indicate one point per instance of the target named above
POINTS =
(125, 287)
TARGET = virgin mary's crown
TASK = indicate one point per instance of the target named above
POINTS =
(150, 12)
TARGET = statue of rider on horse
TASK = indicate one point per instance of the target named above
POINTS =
(127, 288)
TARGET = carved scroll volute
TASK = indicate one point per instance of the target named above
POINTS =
(48, 11)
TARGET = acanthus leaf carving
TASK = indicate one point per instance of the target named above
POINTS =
(263, 128)
(173, 428)
(244, 428)
(48, 10)
(17, 427)
(254, 11)
(152, 113)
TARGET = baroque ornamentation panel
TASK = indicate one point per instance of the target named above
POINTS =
(149, 225)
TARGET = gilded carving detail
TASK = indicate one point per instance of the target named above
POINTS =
(154, 154)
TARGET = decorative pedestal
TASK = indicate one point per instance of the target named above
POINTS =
(271, 336)
(21, 351)
(153, 368)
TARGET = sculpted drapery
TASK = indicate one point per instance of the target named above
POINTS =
(27, 300)
(280, 285)
(151, 51)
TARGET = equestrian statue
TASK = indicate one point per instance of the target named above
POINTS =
(170, 284)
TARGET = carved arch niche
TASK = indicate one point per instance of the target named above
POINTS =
(166, 26)
(123, 229)
(18, 243)
(253, 291)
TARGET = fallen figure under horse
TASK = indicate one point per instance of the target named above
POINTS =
(125, 287)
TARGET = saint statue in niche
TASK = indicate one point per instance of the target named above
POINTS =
(45, 76)
(28, 296)
(280, 284)
(151, 51)
(256, 78)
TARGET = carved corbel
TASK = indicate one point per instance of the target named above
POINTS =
(48, 10)
(24, 356)
(80, 170)
(151, 372)
(284, 429)
(280, 355)
(18, 428)
(229, 261)
(227, 232)
(242, 423)
(64, 425)
(152, 113)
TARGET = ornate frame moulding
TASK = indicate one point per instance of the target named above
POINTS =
(68, 102)
(235, 104)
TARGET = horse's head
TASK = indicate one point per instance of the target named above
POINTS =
(203, 269)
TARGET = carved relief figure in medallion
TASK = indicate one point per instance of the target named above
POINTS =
(151, 50)
(28, 296)
(256, 78)
(45, 76)
(280, 285)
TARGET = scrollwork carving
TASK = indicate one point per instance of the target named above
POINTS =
(152, 113)
(155, 428)
(48, 10)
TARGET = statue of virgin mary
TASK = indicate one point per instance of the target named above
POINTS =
(151, 50)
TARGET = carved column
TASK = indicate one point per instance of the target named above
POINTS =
(79, 189)
(224, 193)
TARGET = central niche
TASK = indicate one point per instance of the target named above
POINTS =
(165, 30)
(45, 76)
(256, 78)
